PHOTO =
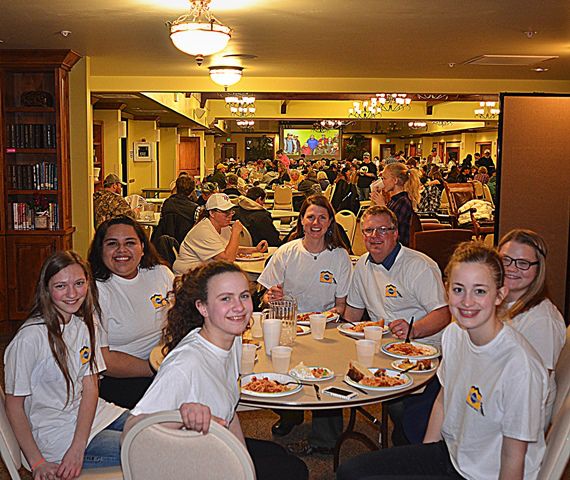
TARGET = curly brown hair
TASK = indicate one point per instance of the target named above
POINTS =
(184, 317)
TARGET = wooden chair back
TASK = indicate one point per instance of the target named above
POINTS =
(439, 245)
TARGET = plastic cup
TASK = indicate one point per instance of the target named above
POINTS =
(271, 333)
(256, 329)
(318, 323)
(247, 358)
(375, 334)
(365, 352)
(281, 358)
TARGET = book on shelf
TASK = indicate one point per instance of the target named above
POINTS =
(31, 135)
(39, 176)
(23, 216)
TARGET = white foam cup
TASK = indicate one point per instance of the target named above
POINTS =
(271, 333)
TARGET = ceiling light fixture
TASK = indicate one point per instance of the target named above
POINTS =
(241, 105)
(442, 123)
(393, 102)
(245, 124)
(198, 32)
(365, 109)
(416, 125)
(325, 125)
(539, 69)
(225, 75)
(487, 111)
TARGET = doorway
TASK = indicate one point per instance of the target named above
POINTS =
(452, 154)
(386, 150)
(482, 146)
(189, 156)
(229, 150)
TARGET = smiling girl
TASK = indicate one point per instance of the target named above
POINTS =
(199, 376)
(51, 369)
(487, 421)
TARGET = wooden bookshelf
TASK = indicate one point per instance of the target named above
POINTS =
(34, 171)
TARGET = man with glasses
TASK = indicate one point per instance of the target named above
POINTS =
(396, 283)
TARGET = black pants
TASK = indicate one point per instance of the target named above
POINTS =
(326, 425)
(124, 392)
(273, 462)
(409, 462)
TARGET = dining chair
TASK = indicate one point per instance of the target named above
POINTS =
(347, 220)
(478, 186)
(218, 455)
(557, 444)
(245, 239)
(12, 455)
(283, 198)
(487, 195)
(562, 376)
(439, 245)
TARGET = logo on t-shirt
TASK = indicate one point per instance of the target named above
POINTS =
(475, 400)
(326, 277)
(85, 354)
(392, 291)
(158, 300)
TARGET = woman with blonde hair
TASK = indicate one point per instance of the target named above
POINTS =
(527, 307)
(402, 187)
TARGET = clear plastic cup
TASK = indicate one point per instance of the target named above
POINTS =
(318, 322)
(256, 329)
(247, 358)
(365, 350)
(281, 358)
(374, 333)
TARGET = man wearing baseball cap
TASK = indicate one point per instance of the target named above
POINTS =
(212, 238)
(108, 203)
(366, 175)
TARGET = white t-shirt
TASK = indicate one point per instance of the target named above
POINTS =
(543, 327)
(32, 372)
(490, 391)
(133, 311)
(314, 280)
(196, 371)
(411, 288)
(201, 244)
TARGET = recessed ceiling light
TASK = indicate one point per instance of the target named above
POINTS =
(65, 33)
(540, 69)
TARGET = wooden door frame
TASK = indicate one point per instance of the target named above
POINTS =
(222, 149)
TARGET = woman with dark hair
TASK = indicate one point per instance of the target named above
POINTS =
(528, 309)
(199, 376)
(51, 377)
(133, 289)
(345, 194)
(314, 268)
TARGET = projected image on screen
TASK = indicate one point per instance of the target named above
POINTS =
(318, 144)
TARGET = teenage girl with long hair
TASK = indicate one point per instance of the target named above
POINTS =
(402, 186)
(51, 376)
(199, 376)
(487, 421)
(527, 306)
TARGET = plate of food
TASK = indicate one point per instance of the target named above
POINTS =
(269, 385)
(303, 318)
(303, 330)
(376, 379)
(311, 373)
(357, 330)
(249, 256)
(415, 350)
(420, 366)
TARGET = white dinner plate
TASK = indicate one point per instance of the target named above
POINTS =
(391, 373)
(257, 258)
(396, 365)
(304, 374)
(432, 352)
(279, 377)
(307, 323)
(345, 328)
(306, 330)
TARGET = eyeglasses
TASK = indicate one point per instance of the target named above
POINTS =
(382, 231)
(227, 213)
(520, 263)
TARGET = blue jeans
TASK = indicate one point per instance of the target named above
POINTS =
(105, 448)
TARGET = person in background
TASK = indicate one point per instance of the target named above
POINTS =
(453, 175)
(296, 178)
(232, 185)
(528, 309)
(467, 161)
(109, 203)
(492, 184)
(133, 285)
(487, 162)
(200, 374)
(251, 213)
(51, 377)
(243, 177)
(283, 159)
(323, 180)
(207, 189)
(219, 176)
(310, 185)
(173, 183)
(212, 238)
(488, 419)
(482, 175)
(464, 175)
(366, 175)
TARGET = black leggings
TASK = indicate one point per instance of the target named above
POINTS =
(124, 392)
(273, 462)
(426, 461)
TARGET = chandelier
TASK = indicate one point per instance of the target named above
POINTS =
(365, 109)
(245, 124)
(416, 125)
(241, 105)
(198, 32)
(225, 75)
(393, 102)
(433, 96)
(487, 111)
(442, 123)
(325, 125)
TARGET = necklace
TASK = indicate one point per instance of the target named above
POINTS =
(315, 255)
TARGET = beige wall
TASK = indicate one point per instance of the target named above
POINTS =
(111, 140)
(168, 156)
(141, 174)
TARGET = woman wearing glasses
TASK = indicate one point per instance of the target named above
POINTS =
(212, 238)
(528, 310)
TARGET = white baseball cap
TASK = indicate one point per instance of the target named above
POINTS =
(219, 201)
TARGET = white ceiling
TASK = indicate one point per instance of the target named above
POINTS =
(297, 38)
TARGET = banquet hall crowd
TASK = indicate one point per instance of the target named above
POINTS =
(78, 374)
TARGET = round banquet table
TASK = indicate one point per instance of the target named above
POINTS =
(283, 213)
(334, 352)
